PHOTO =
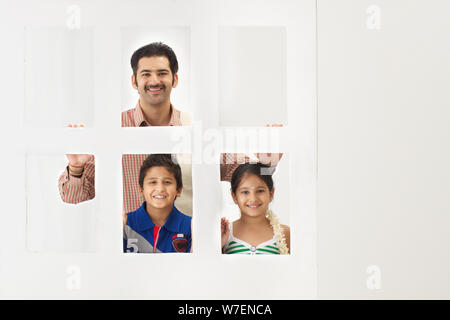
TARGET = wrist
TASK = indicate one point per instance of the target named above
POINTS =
(76, 171)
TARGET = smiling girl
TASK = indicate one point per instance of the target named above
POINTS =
(258, 230)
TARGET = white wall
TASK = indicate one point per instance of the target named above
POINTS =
(99, 57)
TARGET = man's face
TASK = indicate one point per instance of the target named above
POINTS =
(154, 80)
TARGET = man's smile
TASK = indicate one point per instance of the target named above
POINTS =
(154, 89)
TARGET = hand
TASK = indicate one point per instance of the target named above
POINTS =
(274, 125)
(224, 231)
(269, 158)
(77, 161)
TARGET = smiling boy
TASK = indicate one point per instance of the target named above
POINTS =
(157, 226)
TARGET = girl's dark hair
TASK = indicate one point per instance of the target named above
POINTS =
(161, 160)
(262, 171)
(158, 49)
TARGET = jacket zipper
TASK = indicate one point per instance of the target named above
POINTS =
(156, 241)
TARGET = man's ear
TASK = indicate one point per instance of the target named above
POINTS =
(175, 80)
(234, 197)
(141, 191)
(133, 81)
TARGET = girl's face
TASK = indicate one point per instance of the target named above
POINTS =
(252, 196)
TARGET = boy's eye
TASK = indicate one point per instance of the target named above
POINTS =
(260, 190)
(167, 182)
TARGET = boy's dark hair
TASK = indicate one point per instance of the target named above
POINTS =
(155, 49)
(161, 160)
(262, 171)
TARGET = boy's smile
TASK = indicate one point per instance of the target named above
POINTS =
(159, 188)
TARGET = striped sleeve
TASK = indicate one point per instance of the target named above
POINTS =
(75, 190)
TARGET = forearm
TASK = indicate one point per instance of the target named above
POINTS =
(75, 189)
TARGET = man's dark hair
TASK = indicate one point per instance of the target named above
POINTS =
(161, 160)
(155, 49)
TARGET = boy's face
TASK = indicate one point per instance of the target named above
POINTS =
(159, 188)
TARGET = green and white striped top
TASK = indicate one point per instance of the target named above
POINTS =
(237, 246)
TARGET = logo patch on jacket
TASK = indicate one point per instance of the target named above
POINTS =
(180, 242)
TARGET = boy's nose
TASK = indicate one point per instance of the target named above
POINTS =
(160, 186)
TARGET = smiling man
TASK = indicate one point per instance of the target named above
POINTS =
(155, 73)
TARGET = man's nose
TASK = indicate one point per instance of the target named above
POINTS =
(154, 79)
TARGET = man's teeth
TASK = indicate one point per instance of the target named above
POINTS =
(154, 89)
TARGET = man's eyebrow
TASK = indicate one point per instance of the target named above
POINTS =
(159, 70)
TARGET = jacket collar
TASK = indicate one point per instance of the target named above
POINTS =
(144, 222)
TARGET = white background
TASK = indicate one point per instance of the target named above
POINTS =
(383, 156)
(382, 152)
(105, 273)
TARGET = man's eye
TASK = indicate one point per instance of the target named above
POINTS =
(163, 74)
(261, 190)
(145, 74)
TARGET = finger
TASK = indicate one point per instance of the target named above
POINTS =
(81, 125)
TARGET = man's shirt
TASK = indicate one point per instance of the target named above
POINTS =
(141, 235)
